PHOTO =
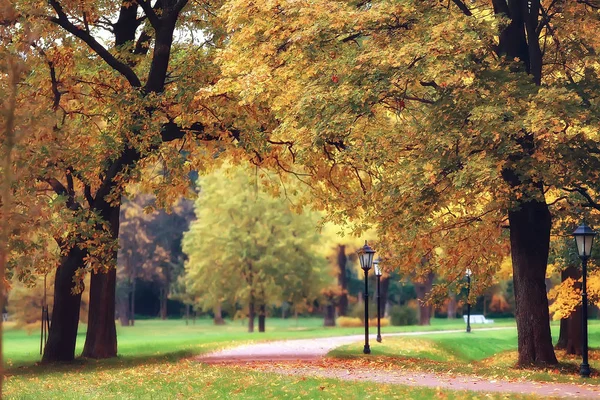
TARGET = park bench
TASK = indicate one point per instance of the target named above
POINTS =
(478, 319)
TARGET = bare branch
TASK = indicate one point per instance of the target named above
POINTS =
(63, 21)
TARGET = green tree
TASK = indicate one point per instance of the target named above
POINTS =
(248, 247)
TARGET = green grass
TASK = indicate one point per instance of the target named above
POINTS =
(483, 353)
(155, 362)
(156, 337)
(185, 379)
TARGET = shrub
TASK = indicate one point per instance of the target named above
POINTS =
(403, 315)
(353, 322)
(349, 322)
(358, 311)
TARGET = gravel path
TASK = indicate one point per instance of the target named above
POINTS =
(305, 357)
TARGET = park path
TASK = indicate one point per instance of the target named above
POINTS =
(306, 357)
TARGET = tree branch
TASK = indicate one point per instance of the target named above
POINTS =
(152, 17)
(63, 21)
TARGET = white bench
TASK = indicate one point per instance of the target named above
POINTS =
(478, 319)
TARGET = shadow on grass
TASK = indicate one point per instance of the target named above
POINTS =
(84, 365)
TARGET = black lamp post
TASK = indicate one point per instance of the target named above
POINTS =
(365, 255)
(468, 272)
(584, 236)
(378, 275)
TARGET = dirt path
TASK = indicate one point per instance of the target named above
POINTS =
(305, 357)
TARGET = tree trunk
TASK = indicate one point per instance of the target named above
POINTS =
(341, 262)
(123, 309)
(385, 289)
(422, 289)
(570, 327)
(329, 315)
(251, 316)
(132, 306)
(187, 314)
(62, 334)
(218, 319)
(101, 337)
(262, 315)
(529, 239)
(163, 304)
(452, 306)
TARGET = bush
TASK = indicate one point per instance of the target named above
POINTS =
(358, 311)
(352, 322)
(403, 315)
(349, 322)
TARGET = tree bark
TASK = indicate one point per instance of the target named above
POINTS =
(163, 304)
(422, 289)
(251, 316)
(530, 225)
(262, 315)
(385, 289)
(452, 306)
(570, 327)
(62, 335)
(329, 315)
(218, 319)
(132, 299)
(341, 262)
(101, 337)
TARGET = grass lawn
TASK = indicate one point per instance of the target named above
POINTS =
(485, 353)
(156, 337)
(154, 363)
(186, 379)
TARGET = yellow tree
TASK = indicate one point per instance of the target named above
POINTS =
(123, 84)
(442, 124)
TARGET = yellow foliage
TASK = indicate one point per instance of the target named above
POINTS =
(352, 322)
(566, 296)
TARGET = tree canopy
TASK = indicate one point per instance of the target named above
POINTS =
(248, 248)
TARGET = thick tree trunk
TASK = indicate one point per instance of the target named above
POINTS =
(251, 316)
(262, 315)
(329, 315)
(422, 289)
(530, 225)
(570, 328)
(101, 337)
(62, 334)
(218, 319)
(341, 262)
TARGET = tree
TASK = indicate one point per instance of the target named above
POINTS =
(442, 125)
(115, 78)
(248, 247)
(150, 249)
(9, 80)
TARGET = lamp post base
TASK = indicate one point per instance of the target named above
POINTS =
(468, 329)
(367, 349)
(379, 338)
(584, 370)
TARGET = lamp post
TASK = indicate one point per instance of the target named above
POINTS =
(365, 255)
(376, 263)
(468, 273)
(584, 236)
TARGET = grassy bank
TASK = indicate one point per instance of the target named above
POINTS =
(484, 353)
